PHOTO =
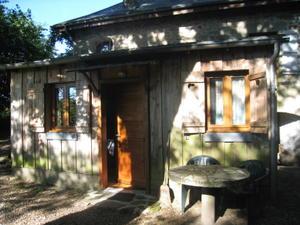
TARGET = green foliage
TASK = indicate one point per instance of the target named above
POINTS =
(4, 96)
(61, 37)
(21, 41)
(155, 207)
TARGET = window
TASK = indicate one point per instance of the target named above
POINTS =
(104, 46)
(63, 106)
(228, 101)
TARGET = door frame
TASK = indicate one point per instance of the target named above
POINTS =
(102, 126)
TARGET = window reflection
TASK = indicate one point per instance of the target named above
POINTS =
(59, 106)
(65, 106)
(216, 100)
(72, 105)
(238, 101)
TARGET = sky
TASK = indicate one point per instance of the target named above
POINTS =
(50, 12)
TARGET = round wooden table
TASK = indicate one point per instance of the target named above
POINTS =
(209, 177)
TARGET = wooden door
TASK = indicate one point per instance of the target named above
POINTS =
(131, 113)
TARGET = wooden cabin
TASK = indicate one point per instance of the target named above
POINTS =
(152, 84)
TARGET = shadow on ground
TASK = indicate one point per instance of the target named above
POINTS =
(5, 157)
(121, 208)
(31, 203)
(19, 198)
(286, 209)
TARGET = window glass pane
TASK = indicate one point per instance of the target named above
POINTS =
(72, 105)
(59, 101)
(238, 101)
(216, 100)
(105, 46)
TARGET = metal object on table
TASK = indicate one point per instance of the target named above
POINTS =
(203, 160)
(209, 177)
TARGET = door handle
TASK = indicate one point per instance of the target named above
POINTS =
(110, 146)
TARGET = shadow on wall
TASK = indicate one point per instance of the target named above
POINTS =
(31, 148)
(172, 90)
(60, 179)
(289, 91)
(188, 29)
(289, 148)
(182, 30)
(178, 107)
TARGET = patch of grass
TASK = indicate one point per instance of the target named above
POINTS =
(20, 185)
(39, 189)
(17, 161)
(155, 207)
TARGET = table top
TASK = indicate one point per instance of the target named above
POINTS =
(210, 176)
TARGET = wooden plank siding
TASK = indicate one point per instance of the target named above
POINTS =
(28, 136)
(177, 116)
(179, 144)
(31, 148)
(17, 102)
(171, 95)
(156, 141)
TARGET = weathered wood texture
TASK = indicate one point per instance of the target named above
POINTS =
(259, 103)
(16, 93)
(31, 147)
(95, 111)
(155, 126)
(179, 110)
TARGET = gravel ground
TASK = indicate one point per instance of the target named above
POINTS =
(286, 210)
(29, 203)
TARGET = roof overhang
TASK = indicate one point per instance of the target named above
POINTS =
(148, 51)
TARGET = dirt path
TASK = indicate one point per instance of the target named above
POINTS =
(29, 203)
(5, 160)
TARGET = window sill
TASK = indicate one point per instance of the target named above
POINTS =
(69, 136)
(227, 137)
(63, 130)
(228, 129)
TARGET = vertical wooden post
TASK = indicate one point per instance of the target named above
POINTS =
(183, 197)
(273, 134)
(147, 128)
(273, 130)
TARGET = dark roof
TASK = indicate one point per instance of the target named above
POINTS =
(142, 7)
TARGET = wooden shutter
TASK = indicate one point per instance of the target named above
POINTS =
(258, 103)
(35, 104)
(48, 106)
(83, 109)
(193, 104)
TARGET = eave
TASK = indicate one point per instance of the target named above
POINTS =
(148, 51)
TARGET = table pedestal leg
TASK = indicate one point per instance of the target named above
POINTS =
(183, 196)
(207, 209)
